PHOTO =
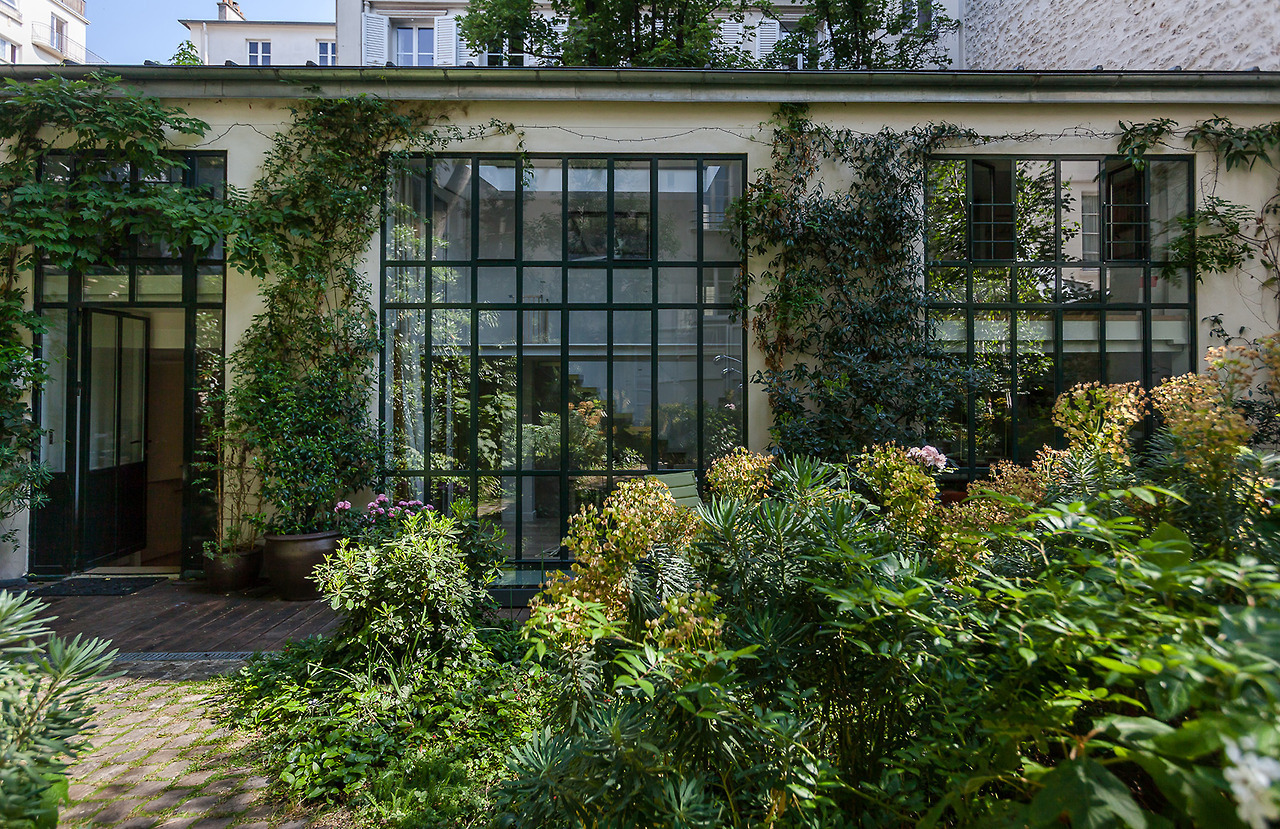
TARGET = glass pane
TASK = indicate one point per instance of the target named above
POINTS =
(496, 393)
(1036, 392)
(1173, 286)
(496, 502)
(722, 384)
(1170, 188)
(497, 210)
(106, 284)
(543, 204)
(631, 209)
(451, 285)
(950, 330)
(55, 284)
(156, 247)
(676, 414)
(1081, 285)
(720, 285)
(1126, 220)
(407, 209)
(1125, 285)
(133, 390)
(1170, 344)
(408, 285)
(541, 405)
(721, 186)
(633, 285)
(1081, 220)
(588, 385)
(993, 415)
(451, 209)
(540, 517)
(450, 389)
(588, 221)
(632, 396)
(991, 216)
(542, 285)
(678, 285)
(587, 489)
(405, 415)
(945, 210)
(53, 396)
(210, 282)
(160, 283)
(991, 284)
(1037, 211)
(677, 210)
(1081, 349)
(211, 172)
(948, 285)
(102, 390)
(1034, 284)
(1124, 347)
(496, 285)
(588, 285)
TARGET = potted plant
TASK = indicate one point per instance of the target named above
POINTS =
(233, 558)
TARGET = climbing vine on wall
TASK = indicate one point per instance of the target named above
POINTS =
(839, 307)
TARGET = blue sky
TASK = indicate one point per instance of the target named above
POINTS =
(131, 31)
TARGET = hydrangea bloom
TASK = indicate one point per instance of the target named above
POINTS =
(928, 456)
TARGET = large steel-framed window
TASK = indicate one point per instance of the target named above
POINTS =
(555, 324)
(184, 288)
(1048, 272)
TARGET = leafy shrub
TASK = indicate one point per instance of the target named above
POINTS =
(46, 687)
(741, 474)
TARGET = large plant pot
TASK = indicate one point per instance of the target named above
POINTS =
(233, 571)
(291, 559)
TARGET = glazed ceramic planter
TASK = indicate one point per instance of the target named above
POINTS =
(233, 571)
(291, 559)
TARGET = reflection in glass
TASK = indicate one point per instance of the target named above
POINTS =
(1035, 377)
(588, 228)
(1124, 347)
(55, 284)
(542, 284)
(496, 284)
(543, 209)
(159, 283)
(407, 285)
(210, 282)
(948, 285)
(633, 286)
(945, 210)
(993, 412)
(405, 417)
(1171, 285)
(497, 210)
(720, 285)
(105, 284)
(451, 213)
(1126, 285)
(1170, 344)
(53, 394)
(991, 212)
(1035, 285)
(1126, 229)
(1081, 211)
(496, 502)
(133, 390)
(1081, 285)
(678, 285)
(103, 386)
(451, 284)
(1036, 212)
(496, 413)
(676, 413)
(631, 400)
(540, 416)
(721, 184)
(540, 516)
(1081, 348)
(588, 285)
(631, 209)
(949, 328)
(722, 384)
(677, 210)
(588, 388)
(450, 389)
(991, 284)
(407, 211)
(1170, 194)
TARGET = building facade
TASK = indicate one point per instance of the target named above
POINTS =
(44, 31)
(233, 39)
(557, 305)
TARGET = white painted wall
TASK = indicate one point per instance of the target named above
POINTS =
(28, 24)
(1158, 34)
(292, 44)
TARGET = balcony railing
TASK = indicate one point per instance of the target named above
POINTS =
(76, 6)
(61, 45)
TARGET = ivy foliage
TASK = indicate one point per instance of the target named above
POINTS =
(305, 367)
(1220, 236)
(86, 168)
(840, 315)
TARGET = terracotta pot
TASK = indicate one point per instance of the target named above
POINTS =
(953, 496)
(234, 570)
(291, 559)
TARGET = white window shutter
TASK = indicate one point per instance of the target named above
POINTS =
(767, 34)
(446, 41)
(464, 53)
(374, 33)
(731, 33)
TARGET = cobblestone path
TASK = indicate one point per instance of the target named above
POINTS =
(158, 760)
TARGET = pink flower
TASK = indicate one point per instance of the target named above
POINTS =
(382, 499)
(342, 506)
(928, 456)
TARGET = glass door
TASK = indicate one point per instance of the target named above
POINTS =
(113, 457)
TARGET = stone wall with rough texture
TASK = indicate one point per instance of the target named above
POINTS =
(1199, 35)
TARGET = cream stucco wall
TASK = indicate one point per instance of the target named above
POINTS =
(634, 118)
(1154, 34)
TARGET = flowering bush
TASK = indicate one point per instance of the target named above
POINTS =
(741, 474)
(929, 457)
(382, 519)
(1101, 418)
(901, 486)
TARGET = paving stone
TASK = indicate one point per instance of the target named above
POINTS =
(212, 804)
(213, 823)
(168, 800)
(116, 811)
(137, 823)
(195, 778)
(178, 823)
(83, 809)
(81, 791)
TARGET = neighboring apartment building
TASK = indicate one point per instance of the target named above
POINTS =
(44, 31)
(236, 39)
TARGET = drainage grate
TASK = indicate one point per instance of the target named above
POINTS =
(190, 656)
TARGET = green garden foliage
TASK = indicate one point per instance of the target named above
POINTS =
(1094, 641)
(407, 711)
(46, 684)
(841, 320)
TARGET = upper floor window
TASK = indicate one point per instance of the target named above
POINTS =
(8, 51)
(259, 53)
(415, 46)
(13, 3)
(327, 53)
(58, 33)
(512, 55)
